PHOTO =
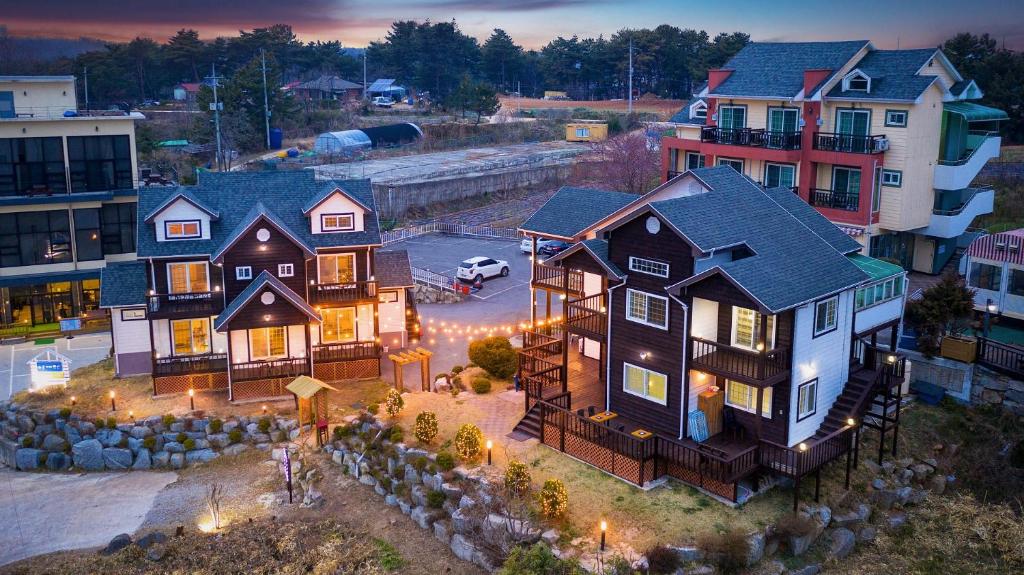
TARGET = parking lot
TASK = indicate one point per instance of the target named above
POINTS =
(82, 350)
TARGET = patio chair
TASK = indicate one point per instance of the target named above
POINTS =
(579, 412)
(730, 424)
(590, 411)
(622, 428)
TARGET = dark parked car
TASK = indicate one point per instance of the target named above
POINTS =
(553, 248)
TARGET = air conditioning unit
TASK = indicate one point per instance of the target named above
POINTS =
(1014, 248)
(1000, 245)
(882, 145)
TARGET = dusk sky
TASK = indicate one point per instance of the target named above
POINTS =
(915, 23)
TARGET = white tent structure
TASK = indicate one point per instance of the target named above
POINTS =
(345, 142)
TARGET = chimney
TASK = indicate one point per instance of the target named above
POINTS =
(716, 77)
(812, 78)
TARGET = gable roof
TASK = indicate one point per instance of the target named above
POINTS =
(381, 84)
(233, 193)
(790, 264)
(257, 213)
(826, 230)
(264, 280)
(123, 284)
(184, 195)
(598, 249)
(392, 269)
(776, 69)
(893, 75)
(326, 194)
(328, 84)
(683, 115)
(572, 210)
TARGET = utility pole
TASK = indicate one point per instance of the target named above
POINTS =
(85, 73)
(631, 74)
(216, 106)
(266, 106)
(364, 73)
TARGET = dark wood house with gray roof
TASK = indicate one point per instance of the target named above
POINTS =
(248, 280)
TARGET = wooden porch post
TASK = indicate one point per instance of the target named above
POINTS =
(758, 411)
(309, 350)
(425, 374)
(230, 390)
(796, 494)
(398, 375)
(892, 340)
(547, 305)
(763, 340)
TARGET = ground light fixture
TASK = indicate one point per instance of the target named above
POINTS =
(264, 410)
(490, 444)
(131, 416)
(850, 421)
(113, 404)
(73, 401)
(191, 399)
(604, 530)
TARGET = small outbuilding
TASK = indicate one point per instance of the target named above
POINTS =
(586, 131)
(349, 141)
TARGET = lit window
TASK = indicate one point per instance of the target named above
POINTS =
(182, 229)
(337, 222)
(743, 396)
(267, 342)
(243, 272)
(825, 315)
(337, 268)
(285, 270)
(645, 383)
(807, 399)
(647, 309)
(190, 336)
(188, 277)
(339, 325)
(746, 328)
(649, 267)
(880, 292)
(582, 132)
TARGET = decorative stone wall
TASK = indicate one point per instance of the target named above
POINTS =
(993, 388)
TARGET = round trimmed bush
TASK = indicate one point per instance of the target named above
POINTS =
(469, 442)
(554, 499)
(263, 425)
(517, 478)
(168, 420)
(457, 369)
(181, 437)
(149, 443)
(235, 435)
(425, 429)
(495, 355)
(189, 444)
(28, 441)
(373, 408)
(435, 499)
(216, 426)
(397, 435)
(481, 385)
(65, 412)
(445, 461)
(111, 423)
(99, 423)
(393, 402)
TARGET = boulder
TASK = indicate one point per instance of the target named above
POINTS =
(142, 460)
(755, 547)
(443, 531)
(895, 519)
(27, 458)
(200, 456)
(938, 484)
(404, 506)
(391, 500)
(54, 442)
(57, 461)
(848, 519)
(85, 428)
(235, 449)
(424, 517)
(177, 460)
(25, 424)
(799, 545)
(134, 444)
(867, 534)
(88, 455)
(451, 491)
(109, 437)
(812, 569)
(218, 439)
(156, 553)
(174, 447)
(878, 483)
(842, 543)
(150, 539)
(686, 553)
(903, 494)
(117, 458)
(141, 432)
(921, 471)
(73, 435)
(884, 499)
(161, 459)
(465, 502)
(116, 544)
(464, 549)
(463, 522)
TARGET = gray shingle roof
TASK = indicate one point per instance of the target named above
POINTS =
(790, 265)
(265, 279)
(183, 194)
(811, 218)
(598, 248)
(392, 269)
(123, 284)
(328, 84)
(572, 210)
(776, 69)
(233, 194)
(893, 75)
(683, 115)
(257, 213)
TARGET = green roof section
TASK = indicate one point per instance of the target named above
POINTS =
(876, 269)
(975, 112)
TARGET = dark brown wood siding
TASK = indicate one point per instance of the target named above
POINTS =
(583, 261)
(363, 272)
(279, 250)
(160, 273)
(281, 312)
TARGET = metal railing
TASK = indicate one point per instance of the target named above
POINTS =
(754, 137)
(737, 362)
(822, 198)
(190, 364)
(57, 112)
(975, 138)
(342, 292)
(269, 369)
(468, 230)
(198, 303)
(434, 279)
(1001, 357)
(837, 142)
(965, 202)
(352, 350)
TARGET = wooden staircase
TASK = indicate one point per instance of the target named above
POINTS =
(853, 402)
(530, 423)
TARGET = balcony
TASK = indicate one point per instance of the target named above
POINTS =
(758, 138)
(959, 173)
(833, 199)
(348, 351)
(270, 369)
(552, 278)
(342, 292)
(178, 305)
(952, 223)
(588, 317)
(190, 364)
(833, 142)
(752, 367)
(63, 112)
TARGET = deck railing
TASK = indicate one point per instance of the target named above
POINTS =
(189, 364)
(737, 362)
(588, 315)
(1001, 357)
(270, 369)
(797, 462)
(190, 304)
(348, 351)
(400, 234)
(554, 278)
(835, 199)
(434, 279)
(754, 137)
(326, 293)
(838, 142)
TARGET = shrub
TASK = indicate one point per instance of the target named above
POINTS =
(445, 461)
(65, 412)
(168, 420)
(435, 499)
(373, 408)
(517, 478)
(388, 557)
(235, 435)
(28, 441)
(794, 525)
(425, 428)
(264, 425)
(401, 490)
(495, 355)
(99, 423)
(481, 385)
(538, 559)
(554, 499)
(149, 443)
(728, 549)
(189, 444)
(393, 402)
(397, 435)
(457, 369)
(662, 561)
(111, 423)
(420, 463)
(181, 437)
(216, 426)
(469, 441)
(341, 432)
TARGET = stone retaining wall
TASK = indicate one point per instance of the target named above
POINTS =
(992, 388)
(969, 382)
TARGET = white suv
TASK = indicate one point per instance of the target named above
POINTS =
(481, 268)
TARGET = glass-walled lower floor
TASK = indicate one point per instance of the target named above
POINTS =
(915, 252)
(49, 302)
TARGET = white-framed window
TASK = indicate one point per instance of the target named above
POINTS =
(743, 396)
(582, 132)
(892, 178)
(182, 229)
(881, 292)
(285, 270)
(857, 81)
(339, 325)
(337, 222)
(190, 336)
(746, 328)
(268, 342)
(694, 160)
(649, 267)
(896, 118)
(826, 315)
(648, 309)
(779, 175)
(645, 383)
(336, 268)
(734, 164)
(732, 117)
(243, 273)
(806, 399)
(699, 111)
(187, 277)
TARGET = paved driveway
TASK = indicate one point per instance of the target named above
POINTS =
(46, 512)
(82, 350)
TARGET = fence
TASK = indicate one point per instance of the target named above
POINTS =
(434, 279)
(466, 230)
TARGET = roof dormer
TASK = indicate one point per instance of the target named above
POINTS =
(182, 216)
(699, 110)
(336, 211)
(857, 81)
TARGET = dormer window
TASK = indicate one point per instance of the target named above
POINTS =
(857, 81)
(699, 111)
(182, 229)
(337, 222)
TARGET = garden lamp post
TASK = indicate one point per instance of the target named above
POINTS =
(191, 399)
(113, 405)
(604, 530)
(490, 444)
(73, 401)
(990, 308)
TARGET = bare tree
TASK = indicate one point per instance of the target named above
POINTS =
(626, 163)
(214, 494)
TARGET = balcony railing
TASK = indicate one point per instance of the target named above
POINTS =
(553, 278)
(190, 364)
(975, 139)
(833, 142)
(343, 292)
(270, 369)
(587, 316)
(56, 112)
(348, 351)
(185, 304)
(737, 363)
(849, 201)
(754, 137)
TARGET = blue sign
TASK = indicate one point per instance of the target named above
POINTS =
(50, 366)
(71, 324)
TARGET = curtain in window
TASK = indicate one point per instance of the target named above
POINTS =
(339, 325)
(336, 269)
(747, 328)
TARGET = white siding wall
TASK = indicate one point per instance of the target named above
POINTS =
(704, 322)
(826, 357)
(296, 341)
(392, 316)
(129, 336)
(239, 346)
(336, 204)
(162, 337)
(180, 210)
(219, 341)
(877, 315)
(364, 321)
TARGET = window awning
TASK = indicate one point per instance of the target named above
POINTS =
(876, 269)
(975, 112)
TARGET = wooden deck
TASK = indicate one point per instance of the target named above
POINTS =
(584, 382)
